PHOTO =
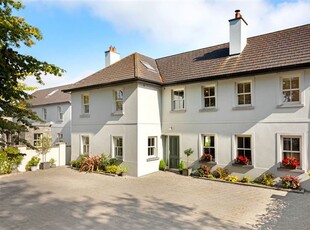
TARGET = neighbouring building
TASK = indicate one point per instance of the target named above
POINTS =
(248, 97)
(54, 107)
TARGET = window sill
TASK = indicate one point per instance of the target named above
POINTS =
(178, 111)
(298, 170)
(297, 105)
(152, 159)
(247, 107)
(208, 110)
(117, 113)
(85, 115)
(208, 162)
(243, 166)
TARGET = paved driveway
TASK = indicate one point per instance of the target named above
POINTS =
(62, 198)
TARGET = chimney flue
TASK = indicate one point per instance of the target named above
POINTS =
(237, 14)
(111, 56)
(237, 34)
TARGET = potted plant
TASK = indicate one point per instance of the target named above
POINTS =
(162, 165)
(33, 163)
(290, 182)
(181, 167)
(52, 162)
(187, 171)
(242, 160)
(44, 145)
(290, 162)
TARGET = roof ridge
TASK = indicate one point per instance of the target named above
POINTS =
(135, 63)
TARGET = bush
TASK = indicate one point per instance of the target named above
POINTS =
(181, 166)
(246, 179)
(90, 164)
(73, 163)
(265, 179)
(112, 169)
(10, 157)
(210, 176)
(290, 182)
(232, 178)
(52, 161)
(33, 162)
(162, 165)
(221, 173)
(204, 171)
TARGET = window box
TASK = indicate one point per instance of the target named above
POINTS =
(242, 165)
(152, 159)
(291, 170)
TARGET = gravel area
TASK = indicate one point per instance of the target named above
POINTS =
(63, 198)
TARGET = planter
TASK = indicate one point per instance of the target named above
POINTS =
(45, 165)
(187, 172)
(34, 168)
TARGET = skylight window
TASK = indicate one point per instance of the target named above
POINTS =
(51, 93)
(148, 66)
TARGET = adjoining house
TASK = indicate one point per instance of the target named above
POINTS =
(247, 97)
(54, 107)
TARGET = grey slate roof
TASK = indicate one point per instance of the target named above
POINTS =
(275, 51)
(49, 96)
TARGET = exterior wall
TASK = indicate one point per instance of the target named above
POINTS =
(265, 121)
(102, 123)
(57, 152)
(149, 125)
(57, 126)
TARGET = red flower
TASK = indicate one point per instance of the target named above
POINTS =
(242, 160)
(290, 162)
(206, 157)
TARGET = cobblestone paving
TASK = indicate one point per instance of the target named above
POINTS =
(62, 198)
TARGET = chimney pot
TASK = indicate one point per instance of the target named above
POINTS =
(237, 14)
(111, 56)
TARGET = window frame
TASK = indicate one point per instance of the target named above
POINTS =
(44, 114)
(280, 155)
(117, 147)
(237, 94)
(36, 138)
(84, 105)
(251, 136)
(209, 97)
(60, 137)
(173, 104)
(202, 137)
(117, 100)
(290, 90)
(82, 144)
(153, 148)
(60, 113)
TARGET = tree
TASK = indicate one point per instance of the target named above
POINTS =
(15, 68)
(44, 145)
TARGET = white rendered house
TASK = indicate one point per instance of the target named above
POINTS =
(54, 107)
(247, 97)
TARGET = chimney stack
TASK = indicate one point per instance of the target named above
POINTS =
(237, 34)
(111, 56)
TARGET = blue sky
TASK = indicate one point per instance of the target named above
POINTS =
(78, 32)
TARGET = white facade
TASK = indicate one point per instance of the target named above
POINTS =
(266, 120)
(103, 124)
(59, 117)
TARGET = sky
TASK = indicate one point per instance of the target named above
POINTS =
(76, 33)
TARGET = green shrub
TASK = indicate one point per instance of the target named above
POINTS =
(10, 157)
(246, 179)
(181, 166)
(52, 161)
(220, 173)
(265, 179)
(210, 176)
(204, 171)
(73, 163)
(232, 178)
(34, 161)
(162, 165)
(112, 169)
(308, 173)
